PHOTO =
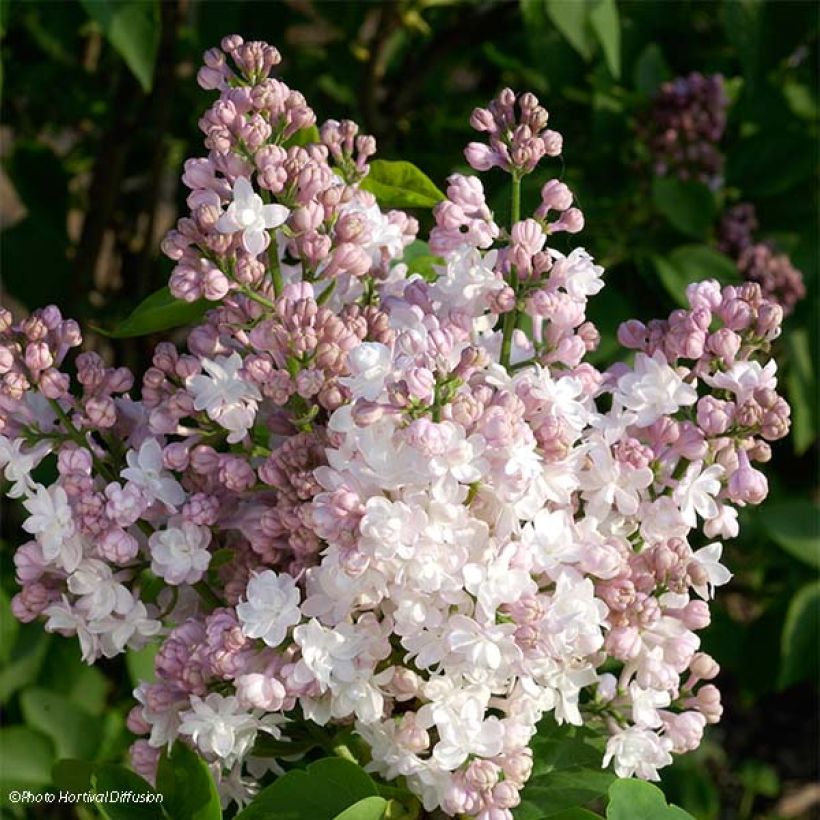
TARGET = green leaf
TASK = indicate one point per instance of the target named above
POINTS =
(27, 759)
(157, 312)
(687, 204)
(795, 526)
(801, 635)
(26, 660)
(320, 792)
(605, 22)
(567, 772)
(419, 260)
(109, 778)
(140, 663)
(186, 783)
(72, 775)
(571, 18)
(693, 263)
(133, 28)
(371, 808)
(305, 136)
(792, 154)
(651, 69)
(638, 800)
(65, 673)
(802, 387)
(399, 184)
(74, 731)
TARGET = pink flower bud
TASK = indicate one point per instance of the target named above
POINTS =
(747, 485)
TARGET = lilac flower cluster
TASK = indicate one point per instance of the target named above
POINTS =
(684, 126)
(760, 262)
(365, 499)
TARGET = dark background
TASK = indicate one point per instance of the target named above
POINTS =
(100, 109)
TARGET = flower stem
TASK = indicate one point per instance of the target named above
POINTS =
(511, 319)
(275, 269)
(255, 297)
(515, 205)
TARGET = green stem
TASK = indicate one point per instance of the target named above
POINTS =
(510, 320)
(326, 293)
(275, 269)
(515, 206)
(255, 297)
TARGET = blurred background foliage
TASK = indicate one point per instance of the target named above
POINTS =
(100, 109)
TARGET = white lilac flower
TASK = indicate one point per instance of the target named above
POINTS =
(51, 523)
(219, 726)
(100, 592)
(638, 751)
(607, 482)
(132, 629)
(582, 277)
(250, 215)
(370, 363)
(744, 377)
(271, 607)
(696, 491)
(18, 464)
(708, 558)
(179, 554)
(653, 389)
(65, 620)
(645, 705)
(225, 396)
(145, 470)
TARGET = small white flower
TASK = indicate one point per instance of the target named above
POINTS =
(100, 593)
(249, 214)
(709, 559)
(696, 492)
(146, 472)
(225, 396)
(219, 726)
(645, 705)
(744, 377)
(370, 363)
(179, 554)
(18, 464)
(67, 621)
(639, 751)
(271, 608)
(51, 523)
(132, 629)
(653, 389)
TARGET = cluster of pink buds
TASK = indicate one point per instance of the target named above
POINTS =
(517, 133)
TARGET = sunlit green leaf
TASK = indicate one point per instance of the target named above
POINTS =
(157, 312)
(637, 800)
(320, 792)
(399, 184)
